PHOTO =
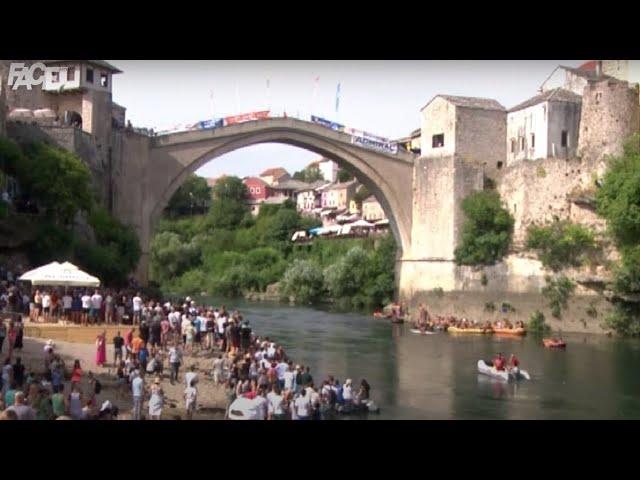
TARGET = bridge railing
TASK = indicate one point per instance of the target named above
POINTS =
(358, 137)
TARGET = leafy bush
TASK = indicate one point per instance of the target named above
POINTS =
(304, 281)
(537, 323)
(561, 244)
(624, 319)
(557, 292)
(487, 231)
(490, 307)
(170, 257)
(618, 199)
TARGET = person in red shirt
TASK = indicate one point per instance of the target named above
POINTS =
(513, 361)
(498, 362)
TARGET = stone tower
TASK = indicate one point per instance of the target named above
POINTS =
(610, 115)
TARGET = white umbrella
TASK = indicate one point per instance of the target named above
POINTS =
(361, 223)
(65, 274)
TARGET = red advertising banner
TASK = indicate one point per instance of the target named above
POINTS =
(246, 117)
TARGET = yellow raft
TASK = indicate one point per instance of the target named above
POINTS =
(510, 331)
(468, 330)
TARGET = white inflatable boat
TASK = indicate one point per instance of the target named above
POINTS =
(504, 375)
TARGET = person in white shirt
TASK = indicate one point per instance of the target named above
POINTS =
(96, 306)
(46, 305)
(275, 401)
(262, 404)
(191, 377)
(66, 305)
(186, 323)
(289, 379)
(190, 400)
(347, 392)
(137, 308)
(302, 405)
(86, 306)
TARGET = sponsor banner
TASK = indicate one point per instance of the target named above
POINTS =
(327, 123)
(206, 124)
(246, 117)
(368, 136)
(378, 145)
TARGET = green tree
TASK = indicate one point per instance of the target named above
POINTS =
(344, 176)
(193, 196)
(57, 179)
(486, 233)
(309, 175)
(362, 194)
(561, 244)
(226, 214)
(230, 188)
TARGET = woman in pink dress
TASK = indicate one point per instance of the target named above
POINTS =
(101, 349)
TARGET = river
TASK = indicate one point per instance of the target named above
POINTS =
(435, 376)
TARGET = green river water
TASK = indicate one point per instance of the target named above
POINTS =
(435, 376)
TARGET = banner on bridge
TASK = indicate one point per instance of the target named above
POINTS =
(206, 124)
(370, 143)
(246, 117)
(327, 123)
(369, 140)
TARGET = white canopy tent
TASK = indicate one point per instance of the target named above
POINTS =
(60, 274)
(361, 224)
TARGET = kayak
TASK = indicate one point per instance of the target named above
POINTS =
(554, 343)
(510, 331)
(504, 375)
(426, 332)
(468, 330)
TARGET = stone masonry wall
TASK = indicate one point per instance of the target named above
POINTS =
(480, 137)
(537, 191)
(610, 115)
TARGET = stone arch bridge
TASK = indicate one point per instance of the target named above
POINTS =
(419, 196)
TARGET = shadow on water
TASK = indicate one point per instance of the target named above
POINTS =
(435, 376)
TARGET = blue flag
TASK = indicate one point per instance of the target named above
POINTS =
(337, 98)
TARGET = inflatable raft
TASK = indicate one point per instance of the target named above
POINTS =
(554, 343)
(504, 375)
(468, 330)
(418, 332)
(510, 331)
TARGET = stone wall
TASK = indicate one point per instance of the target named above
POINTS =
(438, 117)
(480, 137)
(610, 115)
(537, 191)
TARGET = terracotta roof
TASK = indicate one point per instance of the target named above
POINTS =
(590, 65)
(274, 172)
(556, 95)
(470, 102)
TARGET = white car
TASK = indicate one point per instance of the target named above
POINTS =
(245, 409)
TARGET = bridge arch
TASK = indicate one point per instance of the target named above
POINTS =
(172, 158)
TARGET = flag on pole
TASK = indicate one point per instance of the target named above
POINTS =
(213, 110)
(315, 93)
(268, 93)
(338, 98)
(237, 98)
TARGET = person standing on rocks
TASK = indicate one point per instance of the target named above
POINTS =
(190, 400)
(156, 402)
(175, 359)
(137, 390)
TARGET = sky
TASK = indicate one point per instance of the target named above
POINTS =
(381, 97)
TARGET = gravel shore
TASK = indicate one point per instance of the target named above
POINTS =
(211, 397)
